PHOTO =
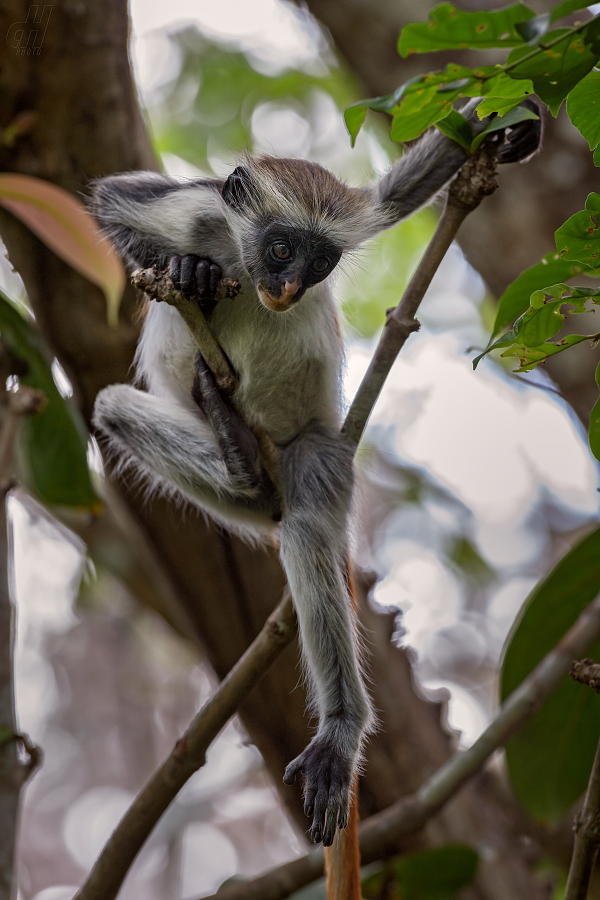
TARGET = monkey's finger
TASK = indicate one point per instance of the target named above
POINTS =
(344, 816)
(522, 142)
(318, 825)
(309, 801)
(215, 277)
(332, 822)
(188, 271)
(202, 279)
(294, 768)
(175, 271)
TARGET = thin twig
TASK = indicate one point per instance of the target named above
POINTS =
(587, 823)
(14, 770)
(475, 181)
(187, 756)
(126, 841)
(380, 834)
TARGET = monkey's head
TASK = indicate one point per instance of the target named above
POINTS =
(292, 220)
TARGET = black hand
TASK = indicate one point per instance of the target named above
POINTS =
(524, 139)
(197, 278)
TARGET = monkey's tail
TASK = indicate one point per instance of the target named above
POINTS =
(342, 860)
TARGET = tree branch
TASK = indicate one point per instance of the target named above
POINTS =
(587, 823)
(474, 182)
(380, 834)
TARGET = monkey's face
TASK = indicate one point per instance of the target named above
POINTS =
(287, 261)
(283, 258)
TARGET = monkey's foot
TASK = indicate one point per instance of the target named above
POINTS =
(327, 787)
(197, 278)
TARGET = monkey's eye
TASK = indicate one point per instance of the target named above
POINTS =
(281, 251)
(320, 264)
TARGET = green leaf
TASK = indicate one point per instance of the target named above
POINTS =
(550, 758)
(583, 107)
(354, 117)
(594, 430)
(597, 156)
(457, 128)
(515, 299)
(565, 8)
(427, 874)
(498, 105)
(502, 85)
(529, 339)
(519, 114)
(452, 29)
(530, 357)
(54, 441)
(579, 237)
(418, 112)
(556, 70)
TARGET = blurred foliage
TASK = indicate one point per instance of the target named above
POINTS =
(53, 443)
(211, 100)
(371, 287)
(550, 758)
(424, 875)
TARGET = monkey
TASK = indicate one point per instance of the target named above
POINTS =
(281, 227)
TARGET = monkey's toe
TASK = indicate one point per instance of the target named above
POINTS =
(327, 782)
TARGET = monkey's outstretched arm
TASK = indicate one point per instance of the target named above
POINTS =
(432, 161)
(151, 218)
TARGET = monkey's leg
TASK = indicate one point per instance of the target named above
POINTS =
(238, 445)
(168, 441)
(316, 471)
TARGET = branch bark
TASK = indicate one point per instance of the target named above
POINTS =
(380, 834)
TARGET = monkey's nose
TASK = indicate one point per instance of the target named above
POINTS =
(290, 289)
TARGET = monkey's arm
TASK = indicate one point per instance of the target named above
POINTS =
(151, 218)
(432, 161)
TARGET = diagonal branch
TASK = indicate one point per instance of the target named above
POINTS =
(380, 834)
(472, 184)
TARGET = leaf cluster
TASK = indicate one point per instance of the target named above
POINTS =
(551, 62)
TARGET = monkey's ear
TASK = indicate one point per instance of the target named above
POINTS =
(238, 189)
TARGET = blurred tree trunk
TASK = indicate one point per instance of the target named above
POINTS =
(216, 590)
(515, 227)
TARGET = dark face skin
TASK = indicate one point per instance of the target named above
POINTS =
(292, 260)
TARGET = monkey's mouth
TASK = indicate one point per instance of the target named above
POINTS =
(290, 294)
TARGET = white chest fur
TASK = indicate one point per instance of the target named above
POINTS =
(288, 363)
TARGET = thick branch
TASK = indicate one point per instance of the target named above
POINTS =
(380, 834)
(587, 823)
(187, 756)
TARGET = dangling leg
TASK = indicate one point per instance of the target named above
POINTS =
(316, 471)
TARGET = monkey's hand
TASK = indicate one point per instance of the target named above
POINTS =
(521, 141)
(197, 278)
(327, 786)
